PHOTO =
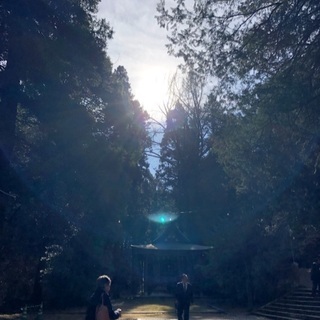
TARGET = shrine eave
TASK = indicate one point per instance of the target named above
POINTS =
(172, 247)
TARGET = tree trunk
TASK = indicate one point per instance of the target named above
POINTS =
(249, 285)
(10, 92)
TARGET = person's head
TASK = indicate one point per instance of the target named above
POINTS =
(104, 283)
(184, 278)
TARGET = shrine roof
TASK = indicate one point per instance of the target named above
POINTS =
(172, 247)
(172, 234)
(171, 239)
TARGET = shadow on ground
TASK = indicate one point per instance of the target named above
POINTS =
(151, 309)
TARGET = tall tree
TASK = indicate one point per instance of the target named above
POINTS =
(188, 168)
(259, 52)
(72, 138)
(245, 41)
(36, 55)
(265, 57)
(114, 181)
(184, 144)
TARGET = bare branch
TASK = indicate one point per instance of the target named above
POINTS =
(14, 196)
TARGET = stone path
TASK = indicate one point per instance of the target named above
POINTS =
(206, 316)
(210, 317)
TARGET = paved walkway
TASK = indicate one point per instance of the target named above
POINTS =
(238, 316)
(208, 317)
(234, 315)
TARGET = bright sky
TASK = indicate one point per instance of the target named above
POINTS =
(139, 45)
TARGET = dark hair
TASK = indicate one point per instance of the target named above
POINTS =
(102, 281)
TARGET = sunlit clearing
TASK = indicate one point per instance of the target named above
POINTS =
(162, 217)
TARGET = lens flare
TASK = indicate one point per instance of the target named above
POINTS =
(162, 217)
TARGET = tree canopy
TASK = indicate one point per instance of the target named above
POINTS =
(239, 155)
(263, 58)
(72, 152)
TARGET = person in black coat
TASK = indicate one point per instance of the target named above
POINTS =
(315, 276)
(101, 296)
(184, 297)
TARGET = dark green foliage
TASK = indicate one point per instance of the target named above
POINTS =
(72, 144)
(264, 56)
(243, 166)
(189, 170)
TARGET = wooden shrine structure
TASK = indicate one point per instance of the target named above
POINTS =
(159, 264)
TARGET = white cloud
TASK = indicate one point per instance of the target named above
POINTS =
(139, 46)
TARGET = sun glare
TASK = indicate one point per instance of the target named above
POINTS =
(152, 90)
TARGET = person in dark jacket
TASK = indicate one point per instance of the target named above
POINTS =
(315, 276)
(101, 296)
(184, 297)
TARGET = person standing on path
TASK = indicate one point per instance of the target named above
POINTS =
(184, 297)
(315, 277)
